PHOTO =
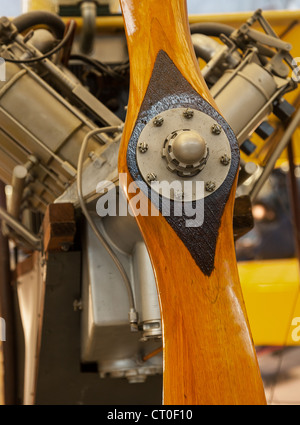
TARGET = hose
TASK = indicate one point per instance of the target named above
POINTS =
(89, 14)
(59, 46)
(211, 29)
(31, 19)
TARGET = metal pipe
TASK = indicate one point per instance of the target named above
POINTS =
(19, 175)
(275, 155)
(294, 198)
(15, 225)
(205, 47)
(83, 95)
(152, 354)
(212, 29)
(89, 14)
(7, 314)
(33, 18)
(246, 171)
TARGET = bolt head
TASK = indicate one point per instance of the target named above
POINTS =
(210, 186)
(151, 177)
(188, 113)
(92, 155)
(158, 121)
(216, 129)
(77, 305)
(33, 159)
(143, 147)
(133, 327)
(225, 160)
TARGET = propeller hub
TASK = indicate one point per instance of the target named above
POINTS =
(189, 147)
(179, 149)
(186, 152)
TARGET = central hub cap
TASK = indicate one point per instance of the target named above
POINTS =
(189, 147)
(186, 152)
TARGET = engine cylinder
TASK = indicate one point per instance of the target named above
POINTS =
(241, 95)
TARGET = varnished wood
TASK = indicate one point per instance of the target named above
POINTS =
(209, 357)
(150, 27)
(59, 227)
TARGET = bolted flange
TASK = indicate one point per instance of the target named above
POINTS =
(186, 152)
(183, 152)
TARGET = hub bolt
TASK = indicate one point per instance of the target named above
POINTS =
(158, 121)
(210, 186)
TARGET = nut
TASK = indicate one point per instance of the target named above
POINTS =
(225, 160)
(143, 147)
(188, 113)
(158, 121)
(151, 177)
(216, 129)
(210, 186)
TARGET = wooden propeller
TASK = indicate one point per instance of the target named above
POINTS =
(208, 352)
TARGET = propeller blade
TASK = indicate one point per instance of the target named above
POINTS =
(174, 132)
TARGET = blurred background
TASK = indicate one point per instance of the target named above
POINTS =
(272, 237)
(15, 7)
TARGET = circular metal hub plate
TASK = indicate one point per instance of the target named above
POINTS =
(152, 163)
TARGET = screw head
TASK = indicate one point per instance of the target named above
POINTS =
(92, 155)
(225, 160)
(158, 121)
(188, 113)
(210, 186)
(151, 177)
(77, 305)
(216, 129)
(143, 147)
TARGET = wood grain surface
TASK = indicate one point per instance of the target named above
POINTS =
(209, 357)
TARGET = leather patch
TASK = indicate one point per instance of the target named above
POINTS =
(169, 89)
